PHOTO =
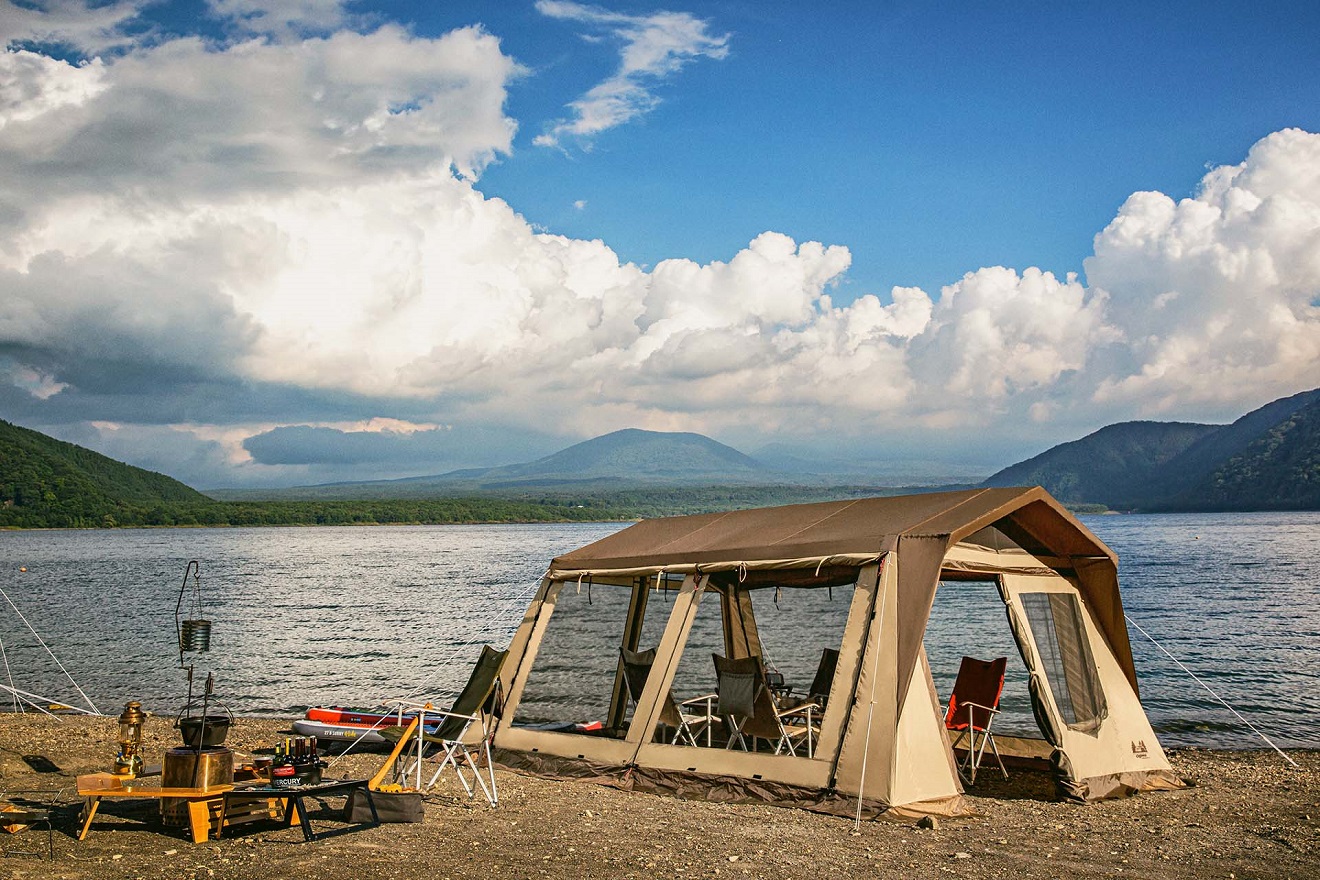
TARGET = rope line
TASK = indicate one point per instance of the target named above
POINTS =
(480, 634)
(10, 674)
(30, 699)
(1210, 691)
(95, 711)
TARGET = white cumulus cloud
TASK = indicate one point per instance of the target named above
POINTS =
(1217, 297)
(79, 24)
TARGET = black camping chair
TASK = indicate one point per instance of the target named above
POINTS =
(748, 709)
(819, 692)
(687, 725)
(480, 697)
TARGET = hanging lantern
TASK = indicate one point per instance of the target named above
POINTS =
(195, 631)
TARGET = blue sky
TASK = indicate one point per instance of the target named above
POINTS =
(268, 242)
(931, 138)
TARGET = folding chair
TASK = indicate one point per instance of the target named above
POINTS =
(972, 709)
(636, 669)
(819, 691)
(478, 698)
(748, 708)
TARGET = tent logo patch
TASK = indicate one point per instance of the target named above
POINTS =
(1139, 749)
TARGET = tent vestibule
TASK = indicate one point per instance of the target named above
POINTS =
(686, 587)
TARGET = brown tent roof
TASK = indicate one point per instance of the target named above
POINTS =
(836, 528)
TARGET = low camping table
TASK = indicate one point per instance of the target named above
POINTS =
(96, 786)
(292, 798)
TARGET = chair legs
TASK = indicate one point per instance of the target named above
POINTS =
(683, 735)
(736, 734)
(975, 752)
(456, 754)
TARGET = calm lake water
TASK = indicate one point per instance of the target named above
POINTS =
(351, 616)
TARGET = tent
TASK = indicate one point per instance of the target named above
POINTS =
(881, 746)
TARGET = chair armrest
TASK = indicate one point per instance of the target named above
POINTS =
(979, 706)
(804, 709)
(431, 713)
(704, 698)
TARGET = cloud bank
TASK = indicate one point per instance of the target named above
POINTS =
(270, 259)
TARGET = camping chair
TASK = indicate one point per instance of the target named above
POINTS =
(686, 725)
(748, 708)
(479, 697)
(972, 709)
(819, 692)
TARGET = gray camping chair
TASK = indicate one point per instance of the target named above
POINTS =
(686, 724)
(479, 698)
(749, 709)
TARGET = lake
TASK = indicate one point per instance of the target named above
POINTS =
(354, 615)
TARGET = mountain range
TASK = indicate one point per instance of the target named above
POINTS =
(1267, 460)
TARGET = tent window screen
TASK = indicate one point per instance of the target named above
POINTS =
(1065, 655)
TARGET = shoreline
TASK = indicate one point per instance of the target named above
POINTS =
(1248, 814)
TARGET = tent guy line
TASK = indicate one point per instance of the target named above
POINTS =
(1211, 691)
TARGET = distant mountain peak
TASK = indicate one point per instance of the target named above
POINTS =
(634, 453)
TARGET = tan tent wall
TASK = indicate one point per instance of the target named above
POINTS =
(924, 768)
(866, 754)
(849, 666)
(1122, 752)
(920, 559)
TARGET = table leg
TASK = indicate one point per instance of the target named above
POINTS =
(303, 821)
(89, 810)
(199, 820)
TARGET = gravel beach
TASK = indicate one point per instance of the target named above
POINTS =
(1248, 815)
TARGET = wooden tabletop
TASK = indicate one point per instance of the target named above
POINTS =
(110, 785)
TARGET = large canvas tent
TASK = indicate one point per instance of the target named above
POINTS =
(881, 744)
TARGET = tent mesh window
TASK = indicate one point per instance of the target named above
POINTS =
(575, 669)
(1065, 654)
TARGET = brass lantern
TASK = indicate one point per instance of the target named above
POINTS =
(129, 760)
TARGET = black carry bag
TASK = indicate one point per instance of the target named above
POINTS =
(404, 806)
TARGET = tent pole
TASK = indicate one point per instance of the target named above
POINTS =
(875, 672)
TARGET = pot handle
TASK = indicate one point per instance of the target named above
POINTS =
(212, 703)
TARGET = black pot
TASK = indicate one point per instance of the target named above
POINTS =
(211, 730)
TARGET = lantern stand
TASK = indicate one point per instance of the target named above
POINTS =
(194, 636)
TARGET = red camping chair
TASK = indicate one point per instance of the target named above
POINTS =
(972, 709)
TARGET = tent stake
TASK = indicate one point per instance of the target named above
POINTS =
(1220, 699)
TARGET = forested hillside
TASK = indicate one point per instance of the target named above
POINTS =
(1279, 470)
(1113, 466)
(46, 482)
